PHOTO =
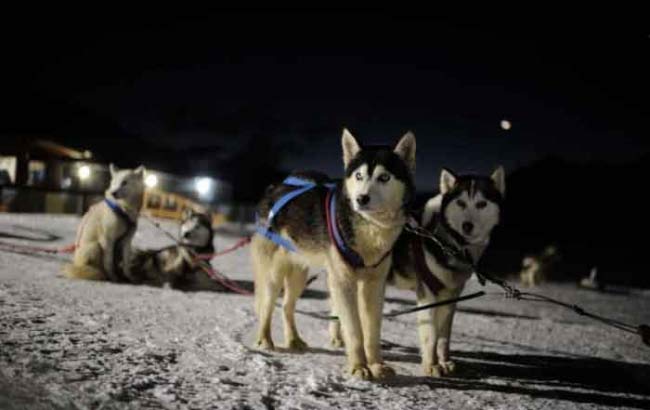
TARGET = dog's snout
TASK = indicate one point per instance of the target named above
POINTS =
(363, 199)
(468, 227)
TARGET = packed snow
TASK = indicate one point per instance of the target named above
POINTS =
(69, 344)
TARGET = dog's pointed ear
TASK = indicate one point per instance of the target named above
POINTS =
(351, 147)
(499, 179)
(187, 213)
(112, 168)
(447, 181)
(139, 170)
(405, 149)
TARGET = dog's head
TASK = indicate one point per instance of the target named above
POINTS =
(471, 205)
(196, 229)
(126, 184)
(379, 180)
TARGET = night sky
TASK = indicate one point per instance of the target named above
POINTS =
(220, 82)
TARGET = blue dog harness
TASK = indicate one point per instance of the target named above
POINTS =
(121, 213)
(302, 186)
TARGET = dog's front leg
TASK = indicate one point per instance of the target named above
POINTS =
(127, 253)
(343, 291)
(108, 245)
(371, 303)
(427, 332)
(443, 319)
(336, 339)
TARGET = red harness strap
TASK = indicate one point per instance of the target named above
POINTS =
(423, 272)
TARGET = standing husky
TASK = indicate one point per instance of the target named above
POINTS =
(103, 243)
(176, 264)
(462, 217)
(354, 244)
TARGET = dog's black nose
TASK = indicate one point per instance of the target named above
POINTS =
(363, 199)
(468, 227)
(187, 234)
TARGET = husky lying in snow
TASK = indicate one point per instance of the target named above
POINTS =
(462, 216)
(103, 245)
(176, 265)
(354, 244)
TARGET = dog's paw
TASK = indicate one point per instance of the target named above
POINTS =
(438, 370)
(381, 371)
(337, 342)
(360, 372)
(265, 344)
(431, 370)
(447, 367)
(297, 345)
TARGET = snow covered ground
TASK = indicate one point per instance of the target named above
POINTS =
(74, 344)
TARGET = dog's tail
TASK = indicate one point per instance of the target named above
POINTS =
(86, 272)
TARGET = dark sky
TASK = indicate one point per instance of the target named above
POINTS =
(575, 87)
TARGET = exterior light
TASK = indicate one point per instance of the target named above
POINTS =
(83, 172)
(506, 125)
(203, 186)
(151, 180)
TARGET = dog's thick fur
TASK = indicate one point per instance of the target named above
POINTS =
(462, 200)
(371, 212)
(176, 265)
(103, 247)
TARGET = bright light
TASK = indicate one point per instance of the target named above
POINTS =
(203, 185)
(151, 180)
(83, 172)
(506, 125)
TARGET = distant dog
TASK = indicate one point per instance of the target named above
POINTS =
(103, 246)
(537, 268)
(461, 217)
(349, 228)
(176, 265)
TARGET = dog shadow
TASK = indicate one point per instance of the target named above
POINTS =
(579, 379)
(494, 313)
(29, 234)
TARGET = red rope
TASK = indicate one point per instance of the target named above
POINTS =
(223, 280)
(241, 243)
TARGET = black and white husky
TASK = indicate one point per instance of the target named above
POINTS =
(176, 265)
(461, 217)
(350, 229)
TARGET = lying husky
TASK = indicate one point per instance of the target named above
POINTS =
(103, 245)
(462, 216)
(176, 265)
(350, 229)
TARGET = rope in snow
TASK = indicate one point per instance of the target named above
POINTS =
(222, 279)
(10, 247)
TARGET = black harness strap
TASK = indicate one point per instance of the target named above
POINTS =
(422, 269)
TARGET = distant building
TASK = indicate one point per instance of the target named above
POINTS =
(40, 175)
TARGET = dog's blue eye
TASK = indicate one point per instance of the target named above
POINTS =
(481, 204)
(358, 176)
(461, 203)
(384, 178)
